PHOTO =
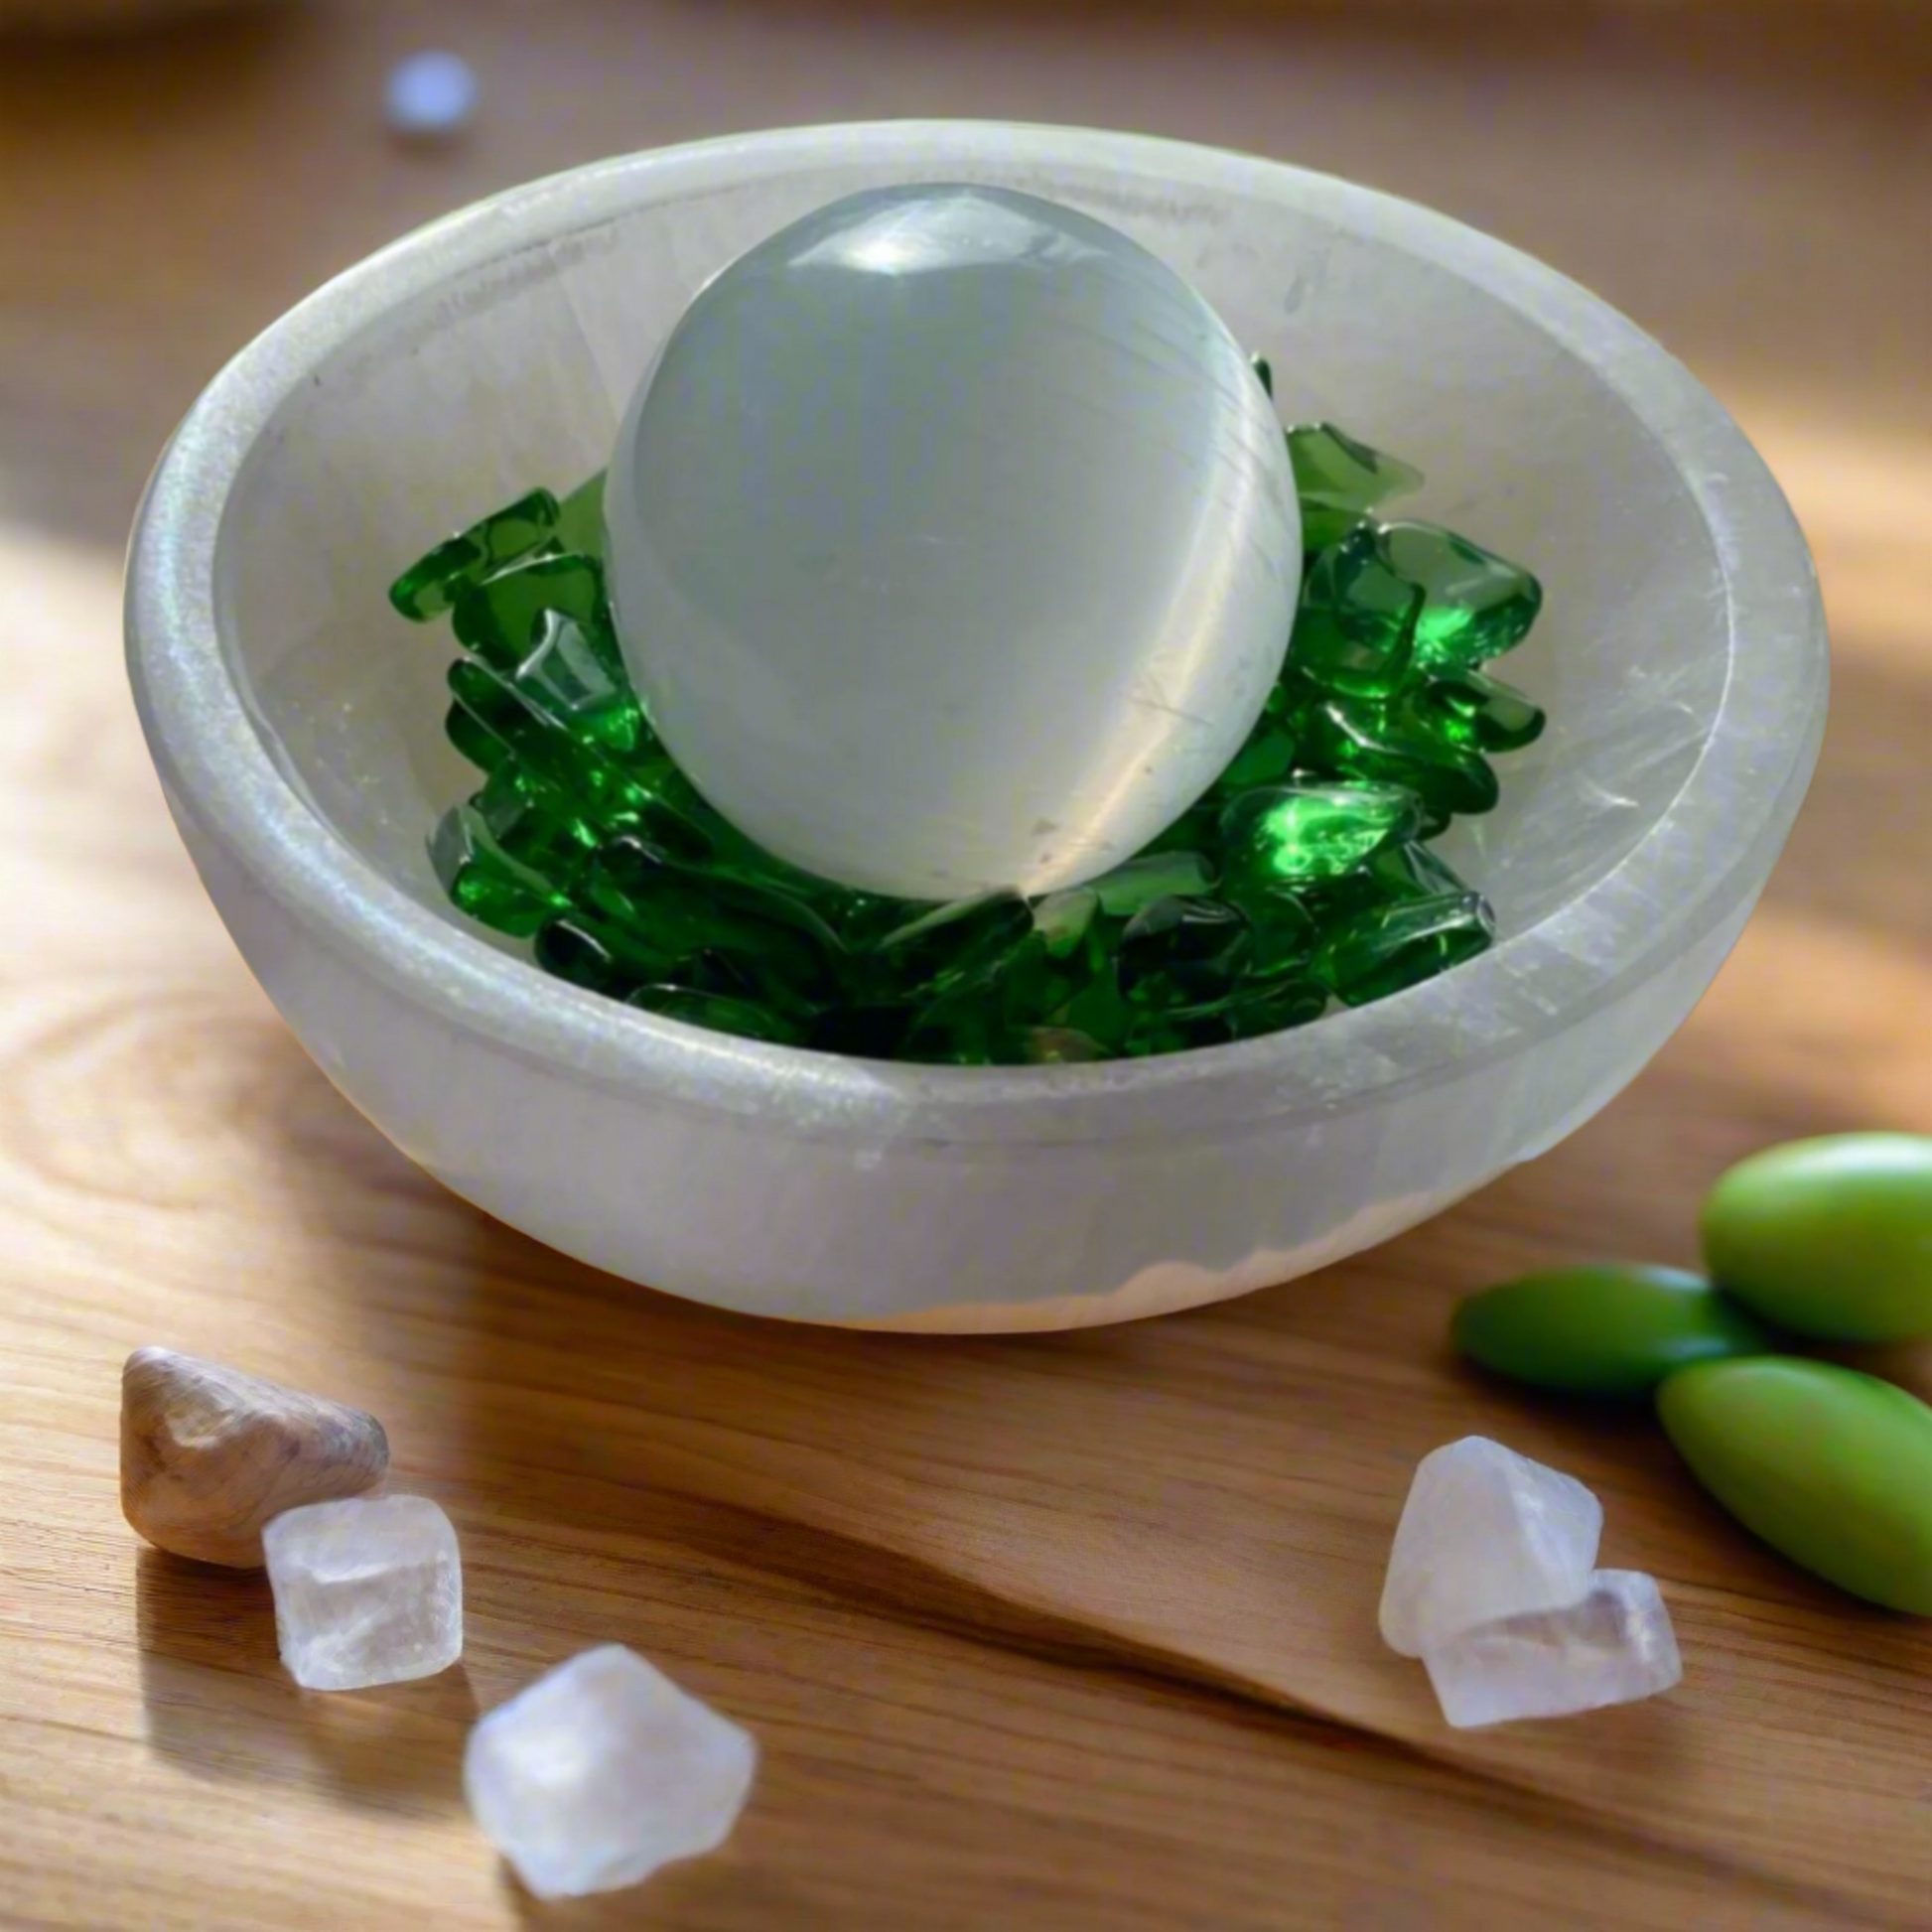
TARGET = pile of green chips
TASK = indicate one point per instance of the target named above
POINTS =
(1304, 877)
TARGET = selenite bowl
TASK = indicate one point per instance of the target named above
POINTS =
(297, 727)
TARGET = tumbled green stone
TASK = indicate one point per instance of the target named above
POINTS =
(482, 748)
(571, 677)
(1392, 947)
(1273, 1007)
(599, 954)
(431, 585)
(1195, 830)
(1475, 606)
(1608, 1329)
(1340, 480)
(1388, 744)
(719, 1012)
(1184, 957)
(1355, 629)
(1285, 930)
(1154, 875)
(678, 912)
(533, 822)
(606, 795)
(1288, 834)
(958, 945)
(498, 619)
(1264, 372)
(580, 519)
(1413, 870)
(488, 882)
(1480, 713)
(1265, 758)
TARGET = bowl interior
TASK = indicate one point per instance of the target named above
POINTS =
(476, 382)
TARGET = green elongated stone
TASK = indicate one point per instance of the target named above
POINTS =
(1832, 1468)
(599, 955)
(1475, 605)
(718, 1012)
(1184, 957)
(1153, 875)
(1272, 1005)
(1828, 1237)
(1267, 758)
(678, 912)
(606, 795)
(1385, 744)
(1390, 948)
(1355, 629)
(532, 821)
(1340, 480)
(498, 619)
(1478, 712)
(959, 945)
(580, 519)
(1413, 870)
(431, 585)
(481, 747)
(1297, 834)
(1613, 1329)
(481, 880)
(570, 677)
(1285, 931)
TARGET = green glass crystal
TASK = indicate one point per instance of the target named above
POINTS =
(1264, 372)
(1340, 480)
(498, 619)
(1412, 871)
(535, 823)
(958, 946)
(1285, 930)
(1479, 713)
(543, 744)
(1355, 629)
(718, 1012)
(678, 912)
(571, 678)
(1129, 888)
(1272, 1005)
(1265, 758)
(1392, 947)
(1184, 957)
(488, 882)
(580, 519)
(600, 955)
(482, 748)
(1388, 744)
(431, 585)
(1289, 834)
(1476, 605)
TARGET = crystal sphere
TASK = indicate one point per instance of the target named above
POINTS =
(953, 543)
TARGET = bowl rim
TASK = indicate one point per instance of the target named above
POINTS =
(1753, 766)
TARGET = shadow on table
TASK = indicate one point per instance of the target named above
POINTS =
(219, 1704)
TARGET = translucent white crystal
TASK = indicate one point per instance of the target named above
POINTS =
(603, 1770)
(368, 1590)
(1614, 1646)
(1485, 1533)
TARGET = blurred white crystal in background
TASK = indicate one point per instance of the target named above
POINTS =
(1612, 1646)
(603, 1770)
(368, 1590)
(1485, 1534)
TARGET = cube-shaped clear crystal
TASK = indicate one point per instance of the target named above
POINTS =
(1614, 1646)
(1485, 1533)
(368, 1590)
(601, 1772)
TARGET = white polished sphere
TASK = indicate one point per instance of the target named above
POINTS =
(953, 543)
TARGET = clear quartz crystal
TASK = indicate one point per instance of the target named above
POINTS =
(603, 1770)
(1485, 1534)
(1613, 1645)
(368, 1590)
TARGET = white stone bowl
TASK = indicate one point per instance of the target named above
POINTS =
(296, 724)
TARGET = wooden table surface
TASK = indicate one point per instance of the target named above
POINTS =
(1066, 1632)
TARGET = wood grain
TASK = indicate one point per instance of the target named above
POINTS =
(1058, 1632)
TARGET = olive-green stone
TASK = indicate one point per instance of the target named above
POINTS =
(1828, 1237)
(1830, 1467)
(1609, 1329)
